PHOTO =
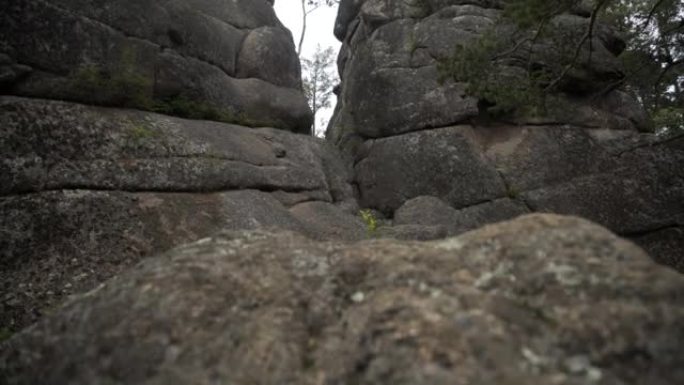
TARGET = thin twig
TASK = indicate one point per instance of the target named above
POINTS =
(587, 35)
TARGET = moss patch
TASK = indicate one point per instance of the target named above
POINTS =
(123, 85)
(5, 334)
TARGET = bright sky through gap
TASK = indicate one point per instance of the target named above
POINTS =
(319, 30)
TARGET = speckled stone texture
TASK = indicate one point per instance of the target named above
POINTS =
(543, 299)
(234, 58)
(87, 191)
(414, 133)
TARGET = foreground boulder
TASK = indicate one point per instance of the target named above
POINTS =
(540, 300)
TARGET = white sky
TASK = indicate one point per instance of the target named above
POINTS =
(319, 30)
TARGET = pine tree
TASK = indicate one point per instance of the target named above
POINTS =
(653, 58)
(319, 79)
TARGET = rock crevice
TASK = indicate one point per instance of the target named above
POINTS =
(277, 282)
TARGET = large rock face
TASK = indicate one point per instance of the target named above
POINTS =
(86, 191)
(392, 84)
(415, 135)
(540, 300)
(92, 179)
(231, 60)
(95, 182)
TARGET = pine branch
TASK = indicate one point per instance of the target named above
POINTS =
(578, 49)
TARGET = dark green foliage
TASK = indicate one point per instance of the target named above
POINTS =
(669, 119)
(502, 69)
(654, 59)
(187, 108)
(116, 88)
(120, 84)
(5, 334)
(512, 79)
(192, 109)
(504, 89)
(319, 78)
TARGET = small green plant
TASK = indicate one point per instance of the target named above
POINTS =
(412, 43)
(512, 192)
(119, 84)
(141, 132)
(5, 334)
(125, 88)
(669, 120)
(371, 221)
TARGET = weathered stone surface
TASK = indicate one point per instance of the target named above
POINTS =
(86, 191)
(267, 54)
(535, 156)
(644, 194)
(664, 245)
(411, 232)
(582, 157)
(630, 183)
(59, 243)
(391, 49)
(424, 210)
(539, 300)
(324, 221)
(431, 211)
(444, 163)
(175, 56)
(49, 145)
(385, 104)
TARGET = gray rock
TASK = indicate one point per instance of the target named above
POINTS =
(386, 104)
(424, 210)
(267, 54)
(537, 300)
(444, 163)
(431, 211)
(386, 43)
(411, 232)
(664, 245)
(531, 157)
(181, 57)
(643, 194)
(58, 243)
(324, 221)
(49, 145)
(105, 187)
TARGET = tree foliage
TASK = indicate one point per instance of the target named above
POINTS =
(309, 6)
(653, 59)
(319, 79)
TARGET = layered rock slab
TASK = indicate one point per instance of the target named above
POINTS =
(631, 183)
(431, 211)
(386, 43)
(414, 132)
(233, 61)
(445, 163)
(542, 299)
(86, 191)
